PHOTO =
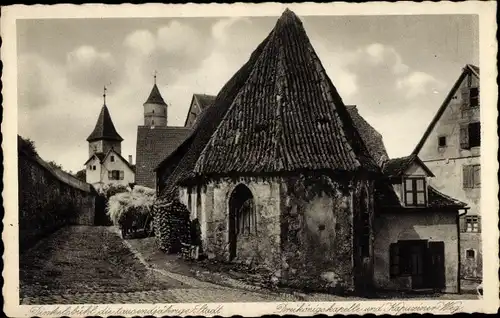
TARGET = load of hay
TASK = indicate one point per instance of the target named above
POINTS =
(131, 210)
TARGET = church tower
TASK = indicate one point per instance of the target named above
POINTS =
(155, 109)
(104, 136)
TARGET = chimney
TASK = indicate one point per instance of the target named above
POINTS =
(130, 159)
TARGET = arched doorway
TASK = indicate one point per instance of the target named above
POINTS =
(242, 216)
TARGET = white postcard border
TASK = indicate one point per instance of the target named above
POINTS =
(489, 202)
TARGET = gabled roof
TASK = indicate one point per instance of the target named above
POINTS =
(204, 101)
(102, 157)
(396, 167)
(468, 69)
(112, 151)
(287, 117)
(104, 128)
(155, 97)
(153, 145)
(99, 155)
(371, 137)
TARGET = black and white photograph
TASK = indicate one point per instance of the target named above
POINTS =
(279, 155)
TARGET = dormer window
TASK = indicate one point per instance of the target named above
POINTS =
(415, 191)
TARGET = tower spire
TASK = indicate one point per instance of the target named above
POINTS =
(104, 94)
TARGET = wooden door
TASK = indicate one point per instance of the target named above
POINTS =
(436, 268)
(417, 259)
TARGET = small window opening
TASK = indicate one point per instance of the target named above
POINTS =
(474, 134)
(112, 158)
(474, 97)
(471, 254)
(442, 141)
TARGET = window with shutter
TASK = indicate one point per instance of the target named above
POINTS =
(122, 175)
(464, 137)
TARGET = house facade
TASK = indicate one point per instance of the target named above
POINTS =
(417, 230)
(105, 164)
(451, 148)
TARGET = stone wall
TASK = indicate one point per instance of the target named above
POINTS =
(432, 226)
(260, 247)
(317, 236)
(48, 201)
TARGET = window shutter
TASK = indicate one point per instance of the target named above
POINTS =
(477, 176)
(465, 97)
(464, 137)
(110, 175)
(121, 175)
(462, 224)
(479, 224)
(467, 176)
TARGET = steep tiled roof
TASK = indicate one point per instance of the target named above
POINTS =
(210, 119)
(371, 137)
(397, 166)
(104, 128)
(155, 97)
(287, 116)
(154, 145)
(439, 199)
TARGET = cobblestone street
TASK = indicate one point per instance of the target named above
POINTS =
(92, 265)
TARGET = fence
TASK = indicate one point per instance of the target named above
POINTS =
(49, 198)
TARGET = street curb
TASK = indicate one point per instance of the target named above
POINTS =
(199, 282)
(189, 281)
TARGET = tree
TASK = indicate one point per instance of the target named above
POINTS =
(27, 145)
(82, 175)
(55, 165)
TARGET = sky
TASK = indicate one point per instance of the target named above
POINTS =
(396, 69)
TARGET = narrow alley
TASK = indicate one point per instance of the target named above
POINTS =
(93, 265)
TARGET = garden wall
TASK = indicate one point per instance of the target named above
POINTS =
(49, 198)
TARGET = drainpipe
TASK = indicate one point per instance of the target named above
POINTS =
(459, 249)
